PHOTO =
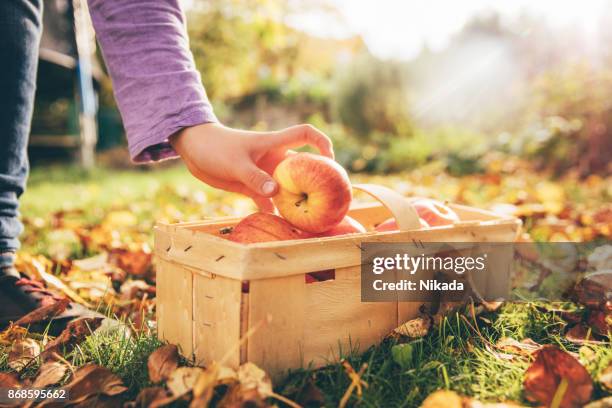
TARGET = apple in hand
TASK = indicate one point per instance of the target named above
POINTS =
(264, 227)
(391, 225)
(347, 226)
(314, 192)
(434, 212)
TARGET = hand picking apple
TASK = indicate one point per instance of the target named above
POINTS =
(241, 161)
(314, 192)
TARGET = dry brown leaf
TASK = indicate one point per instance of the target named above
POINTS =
(581, 334)
(443, 399)
(605, 378)
(162, 362)
(182, 380)
(43, 313)
(22, 353)
(594, 290)
(602, 403)
(415, 328)
(92, 380)
(524, 347)
(252, 377)
(310, 395)
(50, 373)
(148, 397)
(101, 401)
(600, 321)
(204, 386)
(553, 370)
(12, 333)
(36, 270)
(75, 332)
(135, 263)
(9, 380)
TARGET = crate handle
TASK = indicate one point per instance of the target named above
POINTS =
(404, 213)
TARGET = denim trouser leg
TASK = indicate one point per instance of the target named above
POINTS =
(20, 28)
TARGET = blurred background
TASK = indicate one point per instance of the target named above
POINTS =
(396, 84)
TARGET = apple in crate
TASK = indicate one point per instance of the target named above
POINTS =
(264, 227)
(391, 225)
(434, 213)
(314, 192)
(347, 226)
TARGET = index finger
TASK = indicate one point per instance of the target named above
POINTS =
(301, 135)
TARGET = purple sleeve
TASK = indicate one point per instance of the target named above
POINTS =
(156, 85)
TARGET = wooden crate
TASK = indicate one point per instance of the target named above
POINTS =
(210, 290)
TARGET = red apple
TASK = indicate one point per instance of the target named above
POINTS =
(263, 227)
(347, 226)
(434, 212)
(314, 192)
(391, 225)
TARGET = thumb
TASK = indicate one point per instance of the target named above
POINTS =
(257, 180)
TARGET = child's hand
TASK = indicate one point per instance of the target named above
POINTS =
(242, 161)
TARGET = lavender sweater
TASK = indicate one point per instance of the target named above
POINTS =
(157, 88)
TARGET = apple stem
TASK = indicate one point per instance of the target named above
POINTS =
(301, 200)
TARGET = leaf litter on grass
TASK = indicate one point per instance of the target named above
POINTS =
(103, 259)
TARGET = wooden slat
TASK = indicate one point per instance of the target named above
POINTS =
(277, 345)
(174, 306)
(216, 319)
(336, 319)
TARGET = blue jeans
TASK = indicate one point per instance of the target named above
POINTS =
(20, 30)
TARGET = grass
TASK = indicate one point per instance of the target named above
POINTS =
(453, 356)
(400, 372)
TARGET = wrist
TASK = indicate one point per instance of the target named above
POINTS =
(178, 139)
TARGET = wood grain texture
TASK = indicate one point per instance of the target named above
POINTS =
(336, 321)
(278, 344)
(216, 319)
(174, 306)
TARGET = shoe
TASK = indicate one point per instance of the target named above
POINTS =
(20, 296)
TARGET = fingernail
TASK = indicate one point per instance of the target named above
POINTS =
(268, 187)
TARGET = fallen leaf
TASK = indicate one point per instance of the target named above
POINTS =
(9, 380)
(11, 334)
(92, 380)
(101, 401)
(150, 396)
(310, 395)
(600, 322)
(36, 269)
(182, 380)
(22, 353)
(204, 386)
(50, 373)
(252, 377)
(43, 313)
(605, 378)
(602, 403)
(443, 399)
(162, 362)
(524, 347)
(415, 328)
(551, 372)
(594, 290)
(135, 262)
(75, 332)
(581, 334)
